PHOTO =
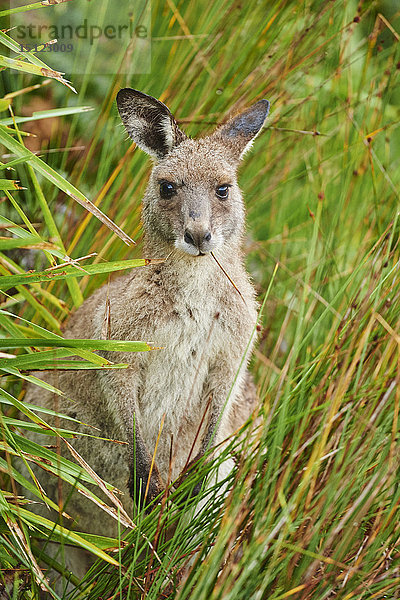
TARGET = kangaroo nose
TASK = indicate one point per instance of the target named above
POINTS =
(196, 238)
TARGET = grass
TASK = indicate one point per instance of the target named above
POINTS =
(313, 511)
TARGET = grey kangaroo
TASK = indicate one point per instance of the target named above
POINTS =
(198, 381)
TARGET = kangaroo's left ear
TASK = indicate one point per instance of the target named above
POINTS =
(240, 131)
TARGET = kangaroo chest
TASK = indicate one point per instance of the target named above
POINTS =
(193, 325)
(173, 377)
(173, 386)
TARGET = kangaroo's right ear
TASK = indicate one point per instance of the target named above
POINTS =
(148, 122)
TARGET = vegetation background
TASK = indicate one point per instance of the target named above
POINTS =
(314, 508)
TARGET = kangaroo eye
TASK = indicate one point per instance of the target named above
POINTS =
(222, 191)
(167, 189)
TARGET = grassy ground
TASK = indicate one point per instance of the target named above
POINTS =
(314, 509)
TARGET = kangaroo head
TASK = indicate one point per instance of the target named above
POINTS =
(193, 202)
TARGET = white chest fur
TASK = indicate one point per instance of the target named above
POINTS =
(173, 379)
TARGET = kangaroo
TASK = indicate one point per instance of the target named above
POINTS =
(193, 217)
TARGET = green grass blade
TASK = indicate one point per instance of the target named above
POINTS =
(68, 271)
(106, 345)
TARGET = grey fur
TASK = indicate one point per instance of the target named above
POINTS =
(186, 305)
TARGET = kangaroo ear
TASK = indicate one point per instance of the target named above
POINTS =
(148, 122)
(240, 131)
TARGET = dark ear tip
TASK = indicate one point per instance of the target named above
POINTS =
(264, 105)
(129, 95)
(126, 94)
